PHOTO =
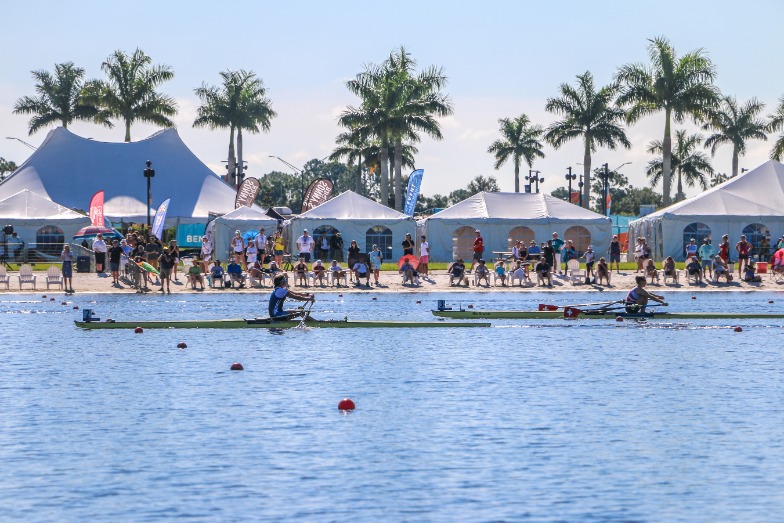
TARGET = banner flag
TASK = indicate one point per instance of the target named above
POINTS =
(317, 193)
(575, 199)
(247, 192)
(96, 209)
(412, 191)
(160, 217)
(609, 203)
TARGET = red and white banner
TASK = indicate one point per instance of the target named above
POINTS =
(96, 209)
(317, 193)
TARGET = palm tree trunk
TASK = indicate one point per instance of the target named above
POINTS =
(358, 178)
(398, 174)
(587, 174)
(384, 181)
(231, 162)
(679, 195)
(240, 174)
(127, 130)
(666, 160)
(517, 174)
(734, 161)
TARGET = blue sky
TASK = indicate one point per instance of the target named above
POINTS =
(502, 58)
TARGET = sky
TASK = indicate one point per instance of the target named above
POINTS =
(502, 58)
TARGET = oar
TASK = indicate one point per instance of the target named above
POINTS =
(306, 315)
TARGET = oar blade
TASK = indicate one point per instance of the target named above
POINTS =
(571, 312)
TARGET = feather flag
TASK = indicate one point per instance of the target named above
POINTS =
(96, 209)
(160, 217)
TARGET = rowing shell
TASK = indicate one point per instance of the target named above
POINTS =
(600, 314)
(266, 323)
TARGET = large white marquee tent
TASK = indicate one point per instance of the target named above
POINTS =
(751, 204)
(69, 169)
(503, 218)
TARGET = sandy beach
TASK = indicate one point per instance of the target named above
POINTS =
(391, 282)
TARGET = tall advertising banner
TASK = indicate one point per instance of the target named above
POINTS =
(160, 217)
(96, 209)
(246, 193)
(318, 192)
(412, 191)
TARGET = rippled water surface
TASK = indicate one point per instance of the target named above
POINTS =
(584, 420)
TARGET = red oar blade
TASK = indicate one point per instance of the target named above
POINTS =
(544, 307)
(571, 312)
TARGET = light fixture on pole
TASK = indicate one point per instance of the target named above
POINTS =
(301, 177)
(149, 173)
(533, 177)
(569, 178)
(606, 176)
(580, 185)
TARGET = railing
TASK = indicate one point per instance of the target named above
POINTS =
(33, 253)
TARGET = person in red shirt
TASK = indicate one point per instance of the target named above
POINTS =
(479, 248)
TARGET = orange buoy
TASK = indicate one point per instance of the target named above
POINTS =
(237, 366)
(738, 329)
(346, 404)
(138, 330)
(182, 345)
(619, 318)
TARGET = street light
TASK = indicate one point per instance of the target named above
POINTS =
(569, 178)
(580, 187)
(606, 176)
(533, 177)
(22, 141)
(149, 173)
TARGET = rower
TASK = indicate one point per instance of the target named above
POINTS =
(638, 297)
(279, 295)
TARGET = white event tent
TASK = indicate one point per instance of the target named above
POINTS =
(356, 218)
(751, 203)
(242, 219)
(503, 218)
(39, 221)
(69, 169)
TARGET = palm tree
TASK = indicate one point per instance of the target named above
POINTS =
(687, 163)
(520, 141)
(418, 103)
(588, 113)
(680, 87)
(777, 124)
(129, 94)
(735, 125)
(59, 99)
(352, 147)
(239, 103)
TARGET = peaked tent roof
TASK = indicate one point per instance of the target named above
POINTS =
(516, 206)
(69, 169)
(246, 213)
(352, 206)
(28, 205)
(758, 192)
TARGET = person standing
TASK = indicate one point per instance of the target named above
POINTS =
(153, 250)
(206, 250)
(548, 253)
(743, 248)
(305, 246)
(99, 248)
(337, 247)
(478, 248)
(614, 252)
(724, 248)
(408, 245)
(376, 259)
(115, 252)
(557, 244)
(261, 245)
(174, 252)
(691, 249)
(353, 257)
(68, 258)
(251, 253)
(278, 248)
(165, 265)
(764, 249)
(706, 253)
(238, 248)
(424, 257)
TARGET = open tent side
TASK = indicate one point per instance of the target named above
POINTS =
(243, 219)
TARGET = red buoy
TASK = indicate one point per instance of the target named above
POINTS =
(374, 298)
(619, 318)
(64, 303)
(419, 301)
(770, 301)
(138, 330)
(44, 296)
(76, 307)
(738, 329)
(237, 366)
(51, 299)
(693, 297)
(346, 404)
(470, 306)
(182, 345)
(340, 295)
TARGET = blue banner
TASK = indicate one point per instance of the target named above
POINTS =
(160, 217)
(190, 234)
(412, 192)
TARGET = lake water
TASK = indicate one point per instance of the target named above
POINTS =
(584, 420)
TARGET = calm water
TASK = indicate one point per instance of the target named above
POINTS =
(527, 421)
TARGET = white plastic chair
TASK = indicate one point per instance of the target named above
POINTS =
(673, 277)
(4, 278)
(54, 276)
(496, 277)
(26, 275)
(334, 278)
(254, 281)
(576, 274)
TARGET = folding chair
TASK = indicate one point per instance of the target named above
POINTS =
(54, 276)
(4, 278)
(26, 275)
(576, 274)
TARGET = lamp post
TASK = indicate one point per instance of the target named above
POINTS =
(533, 177)
(149, 173)
(21, 141)
(301, 178)
(569, 178)
(606, 176)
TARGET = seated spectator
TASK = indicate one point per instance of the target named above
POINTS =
(482, 273)
(650, 271)
(602, 271)
(361, 272)
(319, 272)
(720, 269)
(301, 272)
(216, 274)
(408, 272)
(749, 273)
(669, 268)
(543, 272)
(234, 270)
(533, 249)
(194, 275)
(500, 271)
(337, 272)
(273, 268)
(693, 268)
(520, 272)
(457, 272)
(256, 270)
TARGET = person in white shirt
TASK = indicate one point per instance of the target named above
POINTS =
(99, 247)
(238, 246)
(206, 248)
(305, 245)
(424, 257)
(261, 244)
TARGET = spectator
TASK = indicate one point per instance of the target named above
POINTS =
(408, 245)
(668, 267)
(569, 253)
(16, 246)
(424, 257)
(100, 248)
(543, 272)
(651, 272)
(457, 272)
(251, 253)
(720, 269)
(639, 254)
(763, 252)
(693, 268)
(602, 271)
(165, 266)
(408, 272)
(238, 248)
(748, 274)
(301, 272)
(500, 271)
(482, 273)
(353, 256)
(520, 272)
(743, 248)
(216, 273)
(174, 251)
(361, 271)
(614, 251)
(548, 253)
(706, 252)
(724, 248)
(305, 246)
(319, 272)
(234, 270)
(691, 248)
(194, 275)
(337, 272)
(533, 249)
(278, 248)
(337, 247)
(478, 249)
(557, 244)
(376, 259)
(590, 259)
(115, 253)
(261, 245)
(154, 248)
(68, 258)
